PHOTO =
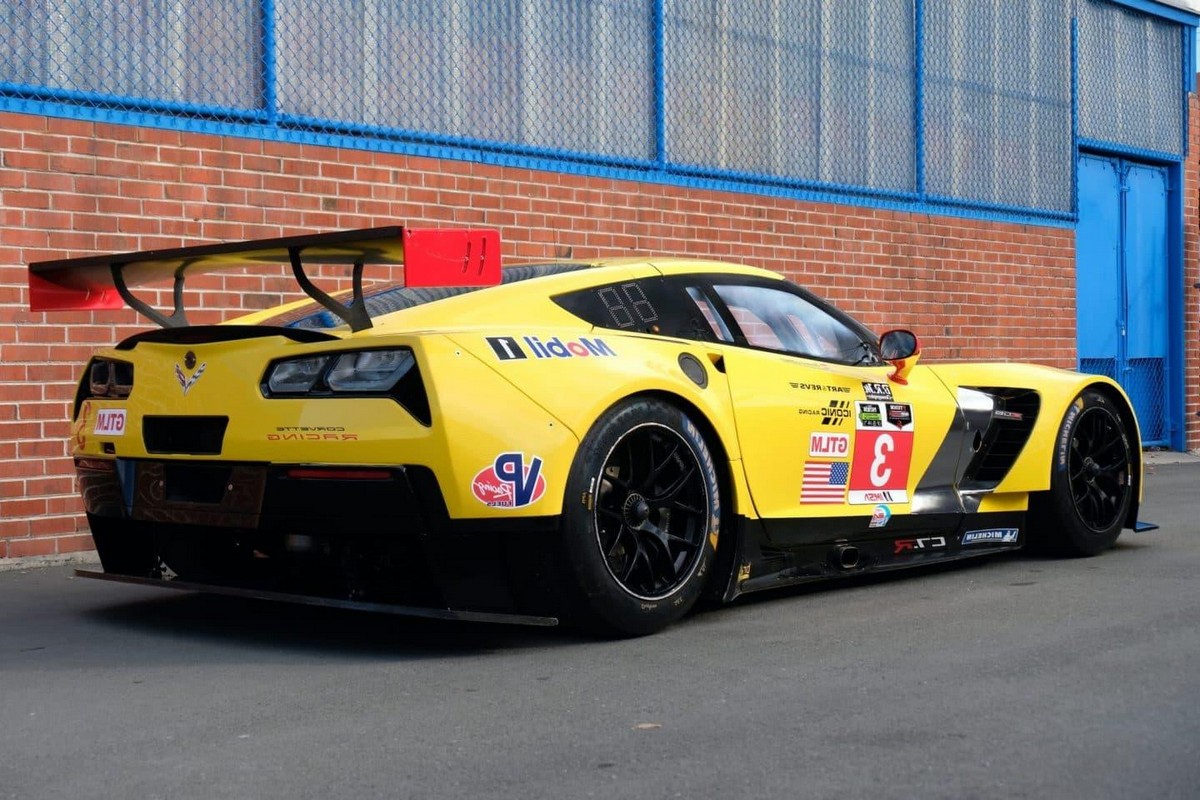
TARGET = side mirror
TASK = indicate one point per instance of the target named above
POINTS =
(901, 349)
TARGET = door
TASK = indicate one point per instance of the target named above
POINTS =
(1121, 283)
(828, 443)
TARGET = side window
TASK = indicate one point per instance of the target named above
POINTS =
(781, 320)
(648, 305)
(716, 325)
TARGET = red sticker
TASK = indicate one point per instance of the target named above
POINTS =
(882, 453)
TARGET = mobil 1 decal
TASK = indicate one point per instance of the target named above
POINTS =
(883, 446)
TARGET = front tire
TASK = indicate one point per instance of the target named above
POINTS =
(1091, 483)
(640, 520)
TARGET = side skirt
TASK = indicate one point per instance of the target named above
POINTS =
(760, 563)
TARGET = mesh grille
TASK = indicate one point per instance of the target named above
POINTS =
(964, 102)
(1129, 78)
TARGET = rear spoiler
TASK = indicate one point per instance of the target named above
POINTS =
(430, 257)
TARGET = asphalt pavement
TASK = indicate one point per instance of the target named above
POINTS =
(1012, 677)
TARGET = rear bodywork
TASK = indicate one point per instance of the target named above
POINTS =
(442, 495)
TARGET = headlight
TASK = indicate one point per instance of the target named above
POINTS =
(369, 371)
(357, 372)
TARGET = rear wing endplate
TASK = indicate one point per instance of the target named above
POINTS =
(430, 257)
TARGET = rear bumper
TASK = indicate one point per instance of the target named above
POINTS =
(362, 538)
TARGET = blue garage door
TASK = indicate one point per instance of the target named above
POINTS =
(1121, 268)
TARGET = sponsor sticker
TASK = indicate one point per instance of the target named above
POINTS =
(991, 536)
(833, 414)
(877, 391)
(870, 415)
(829, 445)
(899, 415)
(824, 481)
(921, 544)
(507, 348)
(880, 516)
(819, 387)
(110, 422)
(882, 453)
(511, 481)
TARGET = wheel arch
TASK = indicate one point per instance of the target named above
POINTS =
(1125, 409)
(731, 482)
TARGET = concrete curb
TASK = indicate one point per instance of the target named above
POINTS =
(88, 557)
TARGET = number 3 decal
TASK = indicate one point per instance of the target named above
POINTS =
(883, 445)
(880, 472)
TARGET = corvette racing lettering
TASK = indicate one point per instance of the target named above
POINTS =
(991, 536)
(186, 382)
(507, 348)
(510, 482)
(819, 387)
(877, 391)
(882, 453)
(319, 433)
(833, 414)
(880, 516)
(831, 445)
(110, 422)
(924, 543)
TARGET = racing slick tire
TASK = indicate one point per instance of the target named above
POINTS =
(1091, 480)
(640, 520)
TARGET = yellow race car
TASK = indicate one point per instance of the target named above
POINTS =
(605, 443)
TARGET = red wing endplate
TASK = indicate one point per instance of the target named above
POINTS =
(431, 257)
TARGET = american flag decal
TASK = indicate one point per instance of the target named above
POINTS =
(824, 482)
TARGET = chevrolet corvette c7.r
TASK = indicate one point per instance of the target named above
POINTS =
(607, 443)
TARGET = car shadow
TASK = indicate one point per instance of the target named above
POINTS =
(301, 628)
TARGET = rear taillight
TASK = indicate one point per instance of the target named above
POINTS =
(105, 379)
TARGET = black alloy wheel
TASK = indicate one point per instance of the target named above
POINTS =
(1092, 480)
(651, 511)
(640, 522)
(1098, 466)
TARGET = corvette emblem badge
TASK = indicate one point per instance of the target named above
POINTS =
(186, 382)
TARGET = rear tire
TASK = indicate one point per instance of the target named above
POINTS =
(1091, 482)
(640, 520)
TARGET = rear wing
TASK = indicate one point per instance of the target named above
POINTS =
(430, 257)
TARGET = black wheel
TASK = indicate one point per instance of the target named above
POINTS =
(1091, 484)
(640, 520)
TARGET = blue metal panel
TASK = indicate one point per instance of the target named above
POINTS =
(1098, 308)
(1145, 259)
(1123, 265)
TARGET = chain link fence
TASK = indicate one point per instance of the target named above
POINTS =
(1129, 87)
(966, 102)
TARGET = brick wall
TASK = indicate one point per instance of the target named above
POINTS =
(971, 289)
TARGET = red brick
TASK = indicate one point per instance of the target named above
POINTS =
(19, 548)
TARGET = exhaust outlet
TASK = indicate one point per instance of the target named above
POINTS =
(846, 556)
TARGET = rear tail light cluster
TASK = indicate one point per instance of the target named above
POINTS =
(105, 379)
(383, 372)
